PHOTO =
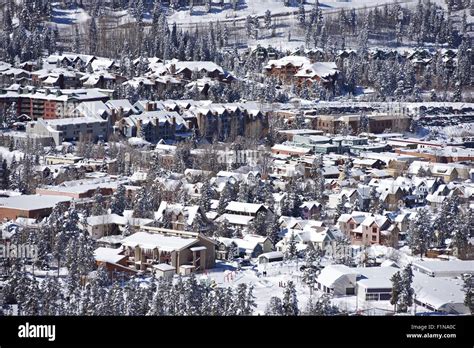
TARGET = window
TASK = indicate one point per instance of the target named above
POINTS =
(374, 230)
(372, 297)
(374, 238)
(350, 291)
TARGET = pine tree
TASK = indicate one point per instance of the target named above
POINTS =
(259, 224)
(227, 195)
(268, 20)
(340, 208)
(290, 300)
(397, 287)
(273, 229)
(206, 196)
(119, 200)
(462, 229)
(291, 250)
(233, 252)
(374, 201)
(406, 293)
(301, 15)
(99, 206)
(420, 232)
(141, 205)
(468, 288)
(244, 300)
(274, 307)
(322, 307)
(311, 271)
(93, 37)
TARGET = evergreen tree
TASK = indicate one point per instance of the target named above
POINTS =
(119, 200)
(420, 232)
(227, 195)
(268, 20)
(259, 224)
(322, 307)
(274, 307)
(93, 37)
(468, 288)
(206, 196)
(291, 249)
(311, 271)
(290, 300)
(397, 287)
(406, 293)
(273, 229)
(301, 15)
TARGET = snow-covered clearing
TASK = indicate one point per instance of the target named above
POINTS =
(278, 274)
(67, 17)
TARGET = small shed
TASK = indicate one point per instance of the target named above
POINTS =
(186, 269)
(270, 257)
(163, 270)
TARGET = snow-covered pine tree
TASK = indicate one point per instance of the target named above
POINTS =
(273, 229)
(420, 232)
(468, 288)
(99, 206)
(259, 224)
(227, 195)
(291, 249)
(206, 196)
(322, 307)
(290, 300)
(274, 307)
(268, 20)
(119, 200)
(397, 285)
(406, 293)
(312, 261)
(301, 15)
(93, 37)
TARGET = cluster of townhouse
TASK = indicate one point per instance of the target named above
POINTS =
(91, 113)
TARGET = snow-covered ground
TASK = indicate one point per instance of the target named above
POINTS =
(5, 153)
(277, 7)
(460, 130)
(278, 273)
(67, 17)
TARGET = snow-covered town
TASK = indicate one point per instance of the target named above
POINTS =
(236, 157)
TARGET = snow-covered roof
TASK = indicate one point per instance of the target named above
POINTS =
(320, 69)
(272, 255)
(195, 65)
(443, 294)
(164, 267)
(32, 202)
(445, 268)
(289, 148)
(108, 255)
(330, 274)
(240, 207)
(235, 219)
(92, 109)
(123, 104)
(297, 61)
(74, 121)
(151, 241)
(189, 212)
